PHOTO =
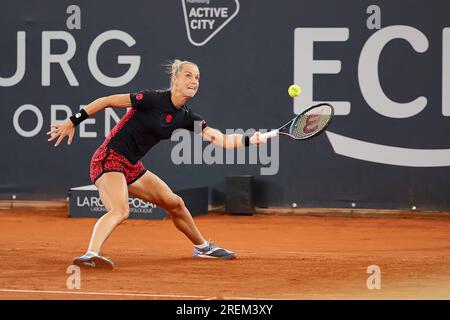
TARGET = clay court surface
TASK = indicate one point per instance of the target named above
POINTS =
(279, 257)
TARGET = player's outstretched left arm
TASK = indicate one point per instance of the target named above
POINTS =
(67, 128)
(231, 141)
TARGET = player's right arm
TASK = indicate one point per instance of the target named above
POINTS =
(68, 128)
(230, 141)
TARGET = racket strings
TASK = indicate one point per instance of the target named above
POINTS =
(310, 123)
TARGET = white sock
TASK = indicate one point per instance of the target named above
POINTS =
(92, 253)
(202, 246)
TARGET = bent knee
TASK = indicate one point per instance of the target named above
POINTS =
(120, 214)
(174, 204)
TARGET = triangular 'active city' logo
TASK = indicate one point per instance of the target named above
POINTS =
(205, 18)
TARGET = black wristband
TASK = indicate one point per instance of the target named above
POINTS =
(245, 140)
(79, 117)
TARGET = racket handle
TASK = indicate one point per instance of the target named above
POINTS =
(265, 136)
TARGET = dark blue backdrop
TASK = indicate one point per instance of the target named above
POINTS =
(247, 62)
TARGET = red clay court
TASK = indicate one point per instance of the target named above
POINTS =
(279, 257)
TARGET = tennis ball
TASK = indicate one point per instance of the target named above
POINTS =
(294, 90)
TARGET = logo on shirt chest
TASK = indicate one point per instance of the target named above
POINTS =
(169, 118)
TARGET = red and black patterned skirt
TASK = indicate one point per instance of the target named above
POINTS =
(107, 160)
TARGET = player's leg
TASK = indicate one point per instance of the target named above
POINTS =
(106, 203)
(113, 192)
(151, 188)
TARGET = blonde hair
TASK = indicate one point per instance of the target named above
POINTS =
(173, 68)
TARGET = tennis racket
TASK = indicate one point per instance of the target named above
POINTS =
(308, 124)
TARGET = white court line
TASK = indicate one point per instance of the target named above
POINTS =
(148, 295)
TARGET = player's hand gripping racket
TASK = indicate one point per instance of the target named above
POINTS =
(308, 124)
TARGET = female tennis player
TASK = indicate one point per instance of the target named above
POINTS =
(116, 168)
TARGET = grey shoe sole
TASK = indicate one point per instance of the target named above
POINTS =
(204, 256)
(94, 263)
